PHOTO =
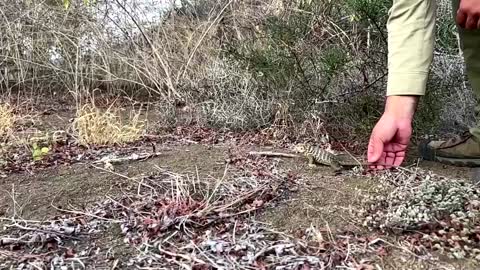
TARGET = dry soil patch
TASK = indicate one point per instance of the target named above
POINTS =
(79, 185)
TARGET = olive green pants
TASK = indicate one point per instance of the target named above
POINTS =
(470, 45)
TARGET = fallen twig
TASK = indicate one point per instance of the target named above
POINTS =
(85, 214)
(11, 254)
(268, 249)
(50, 231)
(183, 256)
(272, 154)
(132, 157)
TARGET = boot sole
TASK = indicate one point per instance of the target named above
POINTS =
(462, 162)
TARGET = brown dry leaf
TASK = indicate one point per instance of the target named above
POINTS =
(260, 265)
(148, 221)
(51, 245)
(381, 251)
(305, 267)
(365, 267)
(258, 203)
(69, 253)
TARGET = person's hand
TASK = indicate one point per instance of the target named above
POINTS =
(391, 135)
(468, 14)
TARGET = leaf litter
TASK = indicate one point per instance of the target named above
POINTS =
(177, 221)
(174, 221)
(63, 149)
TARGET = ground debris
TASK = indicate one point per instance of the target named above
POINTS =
(39, 244)
(251, 245)
(163, 203)
(171, 221)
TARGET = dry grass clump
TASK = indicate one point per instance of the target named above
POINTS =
(7, 120)
(93, 126)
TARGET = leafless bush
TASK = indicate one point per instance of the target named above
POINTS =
(456, 98)
(235, 63)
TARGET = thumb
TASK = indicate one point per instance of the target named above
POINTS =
(461, 18)
(375, 148)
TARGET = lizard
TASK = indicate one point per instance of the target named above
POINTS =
(318, 155)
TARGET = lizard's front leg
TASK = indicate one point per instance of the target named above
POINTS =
(337, 171)
(311, 161)
(337, 167)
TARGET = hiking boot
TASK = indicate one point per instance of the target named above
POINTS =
(462, 151)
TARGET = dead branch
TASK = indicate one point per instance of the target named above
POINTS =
(183, 256)
(67, 231)
(272, 154)
(132, 157)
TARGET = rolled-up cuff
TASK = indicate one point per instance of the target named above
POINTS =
(407, 84)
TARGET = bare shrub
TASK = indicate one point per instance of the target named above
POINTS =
(236, 64)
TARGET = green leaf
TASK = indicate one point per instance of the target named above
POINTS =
(37, 155)
(66, 4)
(88, 2)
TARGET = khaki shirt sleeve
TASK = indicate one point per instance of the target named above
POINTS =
(411, 37)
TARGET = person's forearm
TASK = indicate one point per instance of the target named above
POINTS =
(401, 107)
(411, 39)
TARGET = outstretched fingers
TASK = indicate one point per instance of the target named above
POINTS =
(399, 158)
(375, 149)
(393, 155)
(389, 159)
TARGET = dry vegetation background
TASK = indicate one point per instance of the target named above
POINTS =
(287, 69)
(294, 65)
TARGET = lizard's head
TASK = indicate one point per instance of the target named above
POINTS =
(300, 148)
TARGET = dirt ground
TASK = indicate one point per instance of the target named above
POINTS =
(323, 199)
